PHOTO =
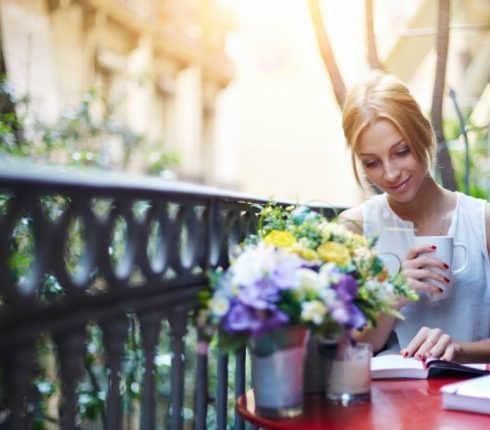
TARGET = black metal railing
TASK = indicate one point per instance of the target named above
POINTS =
(82, 249)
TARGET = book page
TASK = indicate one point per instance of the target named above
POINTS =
(394, 361)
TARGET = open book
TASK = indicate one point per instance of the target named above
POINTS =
(471, 396)
(395, 367)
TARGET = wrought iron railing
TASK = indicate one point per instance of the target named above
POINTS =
(81, 249)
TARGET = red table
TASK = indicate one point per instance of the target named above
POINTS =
(395, 404)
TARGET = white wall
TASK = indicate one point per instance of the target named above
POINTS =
(28, 56)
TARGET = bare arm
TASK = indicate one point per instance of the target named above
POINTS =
(352, 219)
(377, 336)
(472, 352)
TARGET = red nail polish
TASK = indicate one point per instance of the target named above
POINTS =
(433, 247)
(447, 280)
(440, 290)
(446, 266)
(405, 354)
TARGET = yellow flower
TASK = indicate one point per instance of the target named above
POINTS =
(281, 239)
(360, 240)
(304, 252)
(334, 252)
(308, 254)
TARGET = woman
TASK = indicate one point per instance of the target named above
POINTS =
(394, 143)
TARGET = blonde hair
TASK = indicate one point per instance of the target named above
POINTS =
(382, 96)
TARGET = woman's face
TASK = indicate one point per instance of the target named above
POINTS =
(389, 162)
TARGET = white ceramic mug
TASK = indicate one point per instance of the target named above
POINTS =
(444, 251)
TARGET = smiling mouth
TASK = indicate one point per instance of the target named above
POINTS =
(400, 185)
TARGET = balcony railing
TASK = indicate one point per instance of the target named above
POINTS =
(114, 250)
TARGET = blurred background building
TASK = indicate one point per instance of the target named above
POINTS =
(237, 89)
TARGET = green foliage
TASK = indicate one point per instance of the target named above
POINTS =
(80, 133)
(290, 305)
(159, 161)
(478, 156)
(458, 160)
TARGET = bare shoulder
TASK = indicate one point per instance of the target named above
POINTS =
(352, 218)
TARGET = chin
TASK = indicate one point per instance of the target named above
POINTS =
(403, 197)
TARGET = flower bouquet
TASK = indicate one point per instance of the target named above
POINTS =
(299, 270)
(299, 274)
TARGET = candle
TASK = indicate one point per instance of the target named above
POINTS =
(349, 378)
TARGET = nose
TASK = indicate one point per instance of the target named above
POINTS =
(391, 171)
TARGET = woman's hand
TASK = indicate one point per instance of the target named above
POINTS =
(417, 269)
(429, 343)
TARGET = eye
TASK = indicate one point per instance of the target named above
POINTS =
(403, 151)
(370, 164)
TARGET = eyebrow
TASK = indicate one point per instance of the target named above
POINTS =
(392, 146)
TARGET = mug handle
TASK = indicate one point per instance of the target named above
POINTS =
(465, 264)
(391, 262)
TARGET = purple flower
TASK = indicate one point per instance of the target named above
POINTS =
(356, 318)
(273, 319)
(261, 295)
(346, 288)
(240, 318)
(347, 314)
(284, 273)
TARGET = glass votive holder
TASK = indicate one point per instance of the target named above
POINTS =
(348, 380)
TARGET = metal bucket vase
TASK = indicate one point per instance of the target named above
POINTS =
(277, 371)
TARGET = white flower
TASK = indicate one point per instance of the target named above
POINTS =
(219, 305)
(362, 252)
(329, 275)
(308, 280)
(313, 311)
(331, 230)
(253, 264)
(381, 289)
(328, 296)
(325, 230)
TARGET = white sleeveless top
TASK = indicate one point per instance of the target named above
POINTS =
(465, 315)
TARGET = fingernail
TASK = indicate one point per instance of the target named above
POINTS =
(440, 290)
(418, 356)
(405, 354)
(433, 247)
(446, 266)
(447, 280)
(428, 354)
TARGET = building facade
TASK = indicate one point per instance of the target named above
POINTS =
(156, 65)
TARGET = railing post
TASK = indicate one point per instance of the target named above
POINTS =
(178, 329)
(114, 333)
(240, 362)
(222, 392)
(150, 331)
(70, 344)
